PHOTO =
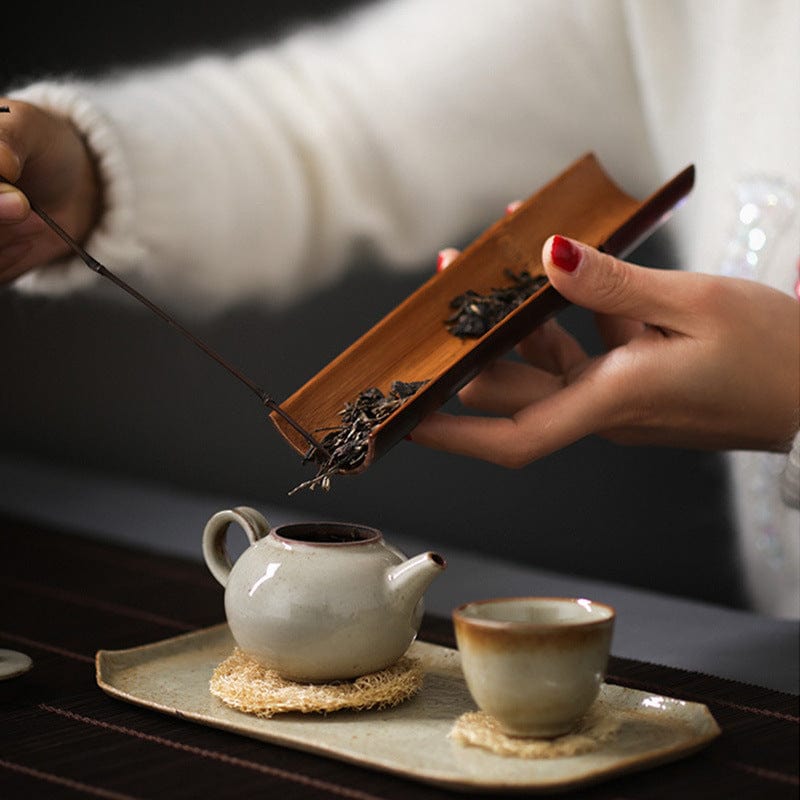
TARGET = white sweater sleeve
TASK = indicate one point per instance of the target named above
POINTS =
(790, 477)
(402, 128)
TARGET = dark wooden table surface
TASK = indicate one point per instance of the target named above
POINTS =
(63, 597)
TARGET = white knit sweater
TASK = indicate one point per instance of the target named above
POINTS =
(410, 124)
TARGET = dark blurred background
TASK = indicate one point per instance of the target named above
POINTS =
(93, 382)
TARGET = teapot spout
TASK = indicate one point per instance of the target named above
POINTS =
(408, 581)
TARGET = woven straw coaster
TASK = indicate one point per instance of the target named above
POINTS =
(242, 683)
(478, 729)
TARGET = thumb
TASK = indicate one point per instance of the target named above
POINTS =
(13, 203)
(10, 164)
(604, 284)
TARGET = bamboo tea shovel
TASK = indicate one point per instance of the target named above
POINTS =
(412, 344)
(412, 348)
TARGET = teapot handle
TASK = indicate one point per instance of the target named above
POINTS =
(214, 552)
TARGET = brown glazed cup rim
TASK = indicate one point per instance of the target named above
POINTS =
(459, 614)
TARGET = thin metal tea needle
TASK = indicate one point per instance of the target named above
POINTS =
(100, 269)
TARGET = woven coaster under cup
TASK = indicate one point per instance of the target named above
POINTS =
(242, 683)
(478, 729)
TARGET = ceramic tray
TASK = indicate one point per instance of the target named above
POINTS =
(13, 664)
(410, 740)
(412, 342)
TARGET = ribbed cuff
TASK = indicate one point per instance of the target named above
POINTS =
(113, 241)
(790, 478)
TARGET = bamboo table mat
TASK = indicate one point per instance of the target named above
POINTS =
(64, 596)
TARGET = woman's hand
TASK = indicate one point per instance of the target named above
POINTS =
(694, 361)
(46, 158)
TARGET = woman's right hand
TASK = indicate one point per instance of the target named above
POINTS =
(694, 361)
(46, 158)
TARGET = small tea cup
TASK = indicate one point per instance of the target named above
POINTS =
(535, 664)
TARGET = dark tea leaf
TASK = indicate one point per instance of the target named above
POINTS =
(475, 314)
(347, 443)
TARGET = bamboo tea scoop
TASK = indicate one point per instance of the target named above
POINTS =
(412, 343)
(100, 269)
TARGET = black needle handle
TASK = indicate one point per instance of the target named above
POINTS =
(100, 269)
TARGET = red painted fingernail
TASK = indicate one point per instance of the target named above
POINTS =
(440, 262)
(564, 254)
(513, 206)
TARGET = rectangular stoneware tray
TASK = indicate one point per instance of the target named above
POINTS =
(410, 740)
(412, 342)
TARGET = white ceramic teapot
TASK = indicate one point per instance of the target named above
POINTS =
(318, 601)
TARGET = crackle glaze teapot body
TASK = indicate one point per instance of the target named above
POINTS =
(318, 601)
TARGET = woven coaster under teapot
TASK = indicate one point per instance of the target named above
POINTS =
(479, 729)
(242, 683)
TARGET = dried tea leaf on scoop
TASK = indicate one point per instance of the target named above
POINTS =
(475, 314)
(348, 442)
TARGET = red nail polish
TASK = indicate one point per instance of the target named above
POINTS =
(440, 262)
(564, 254)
